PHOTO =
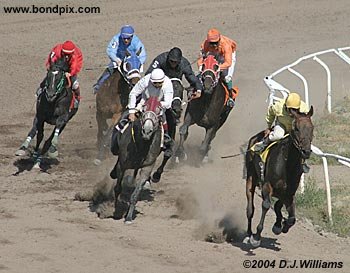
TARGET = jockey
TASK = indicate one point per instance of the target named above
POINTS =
(155, 83)
(280, 114)
(175, 65)
(225, 48)
(125, 40)
(74, 57)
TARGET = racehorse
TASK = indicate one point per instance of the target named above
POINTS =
(280, 176)
(172, 115)
(137, 147)
(209, 111)
(54, 106)
(112, 99)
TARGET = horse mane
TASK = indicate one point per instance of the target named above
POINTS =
(60, 64)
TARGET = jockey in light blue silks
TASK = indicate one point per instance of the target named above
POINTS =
(123, 41)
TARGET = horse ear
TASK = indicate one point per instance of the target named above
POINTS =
(139, 52)
(127, 53)
(216, 67)
(311, 112)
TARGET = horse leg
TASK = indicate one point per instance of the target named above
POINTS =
(250, 190)
(277, 227)
(288, 223)
(37, 155)
(102, 126)
(144, 176)
(255, 239)
(31, 135)
(205, 147)
(167, 155)
(180, 152)
(119, 206)
(52, 142)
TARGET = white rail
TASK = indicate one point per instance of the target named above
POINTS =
(274, 86)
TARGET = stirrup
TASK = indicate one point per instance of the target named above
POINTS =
(230, 102)
(305, 167)
(95, 88)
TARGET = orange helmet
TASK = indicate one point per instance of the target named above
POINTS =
(68, 47)
(213, 35)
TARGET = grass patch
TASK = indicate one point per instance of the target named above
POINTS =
(331, 133)
(312, 204)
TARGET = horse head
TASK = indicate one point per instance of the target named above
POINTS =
(56, 79)
(150, 118)
(209, 73)
(132, 66)
(176, 104)
(302, 132)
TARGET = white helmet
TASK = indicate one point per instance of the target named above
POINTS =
(157, 75)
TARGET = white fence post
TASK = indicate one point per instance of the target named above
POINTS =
(329, 89)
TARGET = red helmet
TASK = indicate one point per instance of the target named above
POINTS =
(213, 35)
(68, 47)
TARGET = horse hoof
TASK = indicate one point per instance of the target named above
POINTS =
(128, 222)
(205, 160)
(147, 186)
(246, 240)
(36, 166)
(276, 230)
(185, 157)
(20, 152)
(52, 153)
(177, 160)
(253, 242)
(156, 177)
(97, 162)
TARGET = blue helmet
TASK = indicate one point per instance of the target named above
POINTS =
(127, 31)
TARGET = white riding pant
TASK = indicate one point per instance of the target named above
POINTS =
(277, 133)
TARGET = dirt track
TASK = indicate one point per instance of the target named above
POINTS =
(44, 230)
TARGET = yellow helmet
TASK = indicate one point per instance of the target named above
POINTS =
(293, 101)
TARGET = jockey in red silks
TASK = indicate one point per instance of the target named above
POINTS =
(74, 58)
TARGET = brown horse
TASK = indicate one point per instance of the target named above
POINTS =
(281, 175)
(112, 99)
(209, 111)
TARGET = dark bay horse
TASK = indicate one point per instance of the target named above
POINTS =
(53, 107)
(282, 172)
(209, 111)
(112, 99)
(172, 116)
(137, 148)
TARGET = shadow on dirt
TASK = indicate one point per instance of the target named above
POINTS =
(27, 164)
(234, 235)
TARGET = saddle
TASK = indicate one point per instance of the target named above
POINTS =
(263, 155)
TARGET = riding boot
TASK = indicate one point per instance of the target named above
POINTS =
(167, 137)
(260, 146)
(105, 75)
(76, 97)
(231, 101)
(123, 121)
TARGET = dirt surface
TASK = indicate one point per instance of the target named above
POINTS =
(44, 230)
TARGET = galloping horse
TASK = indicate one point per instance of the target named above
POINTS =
(53, 107)
(209, 111)
(112, 99)
(137, 148)
(282, 172)
(172, 116)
